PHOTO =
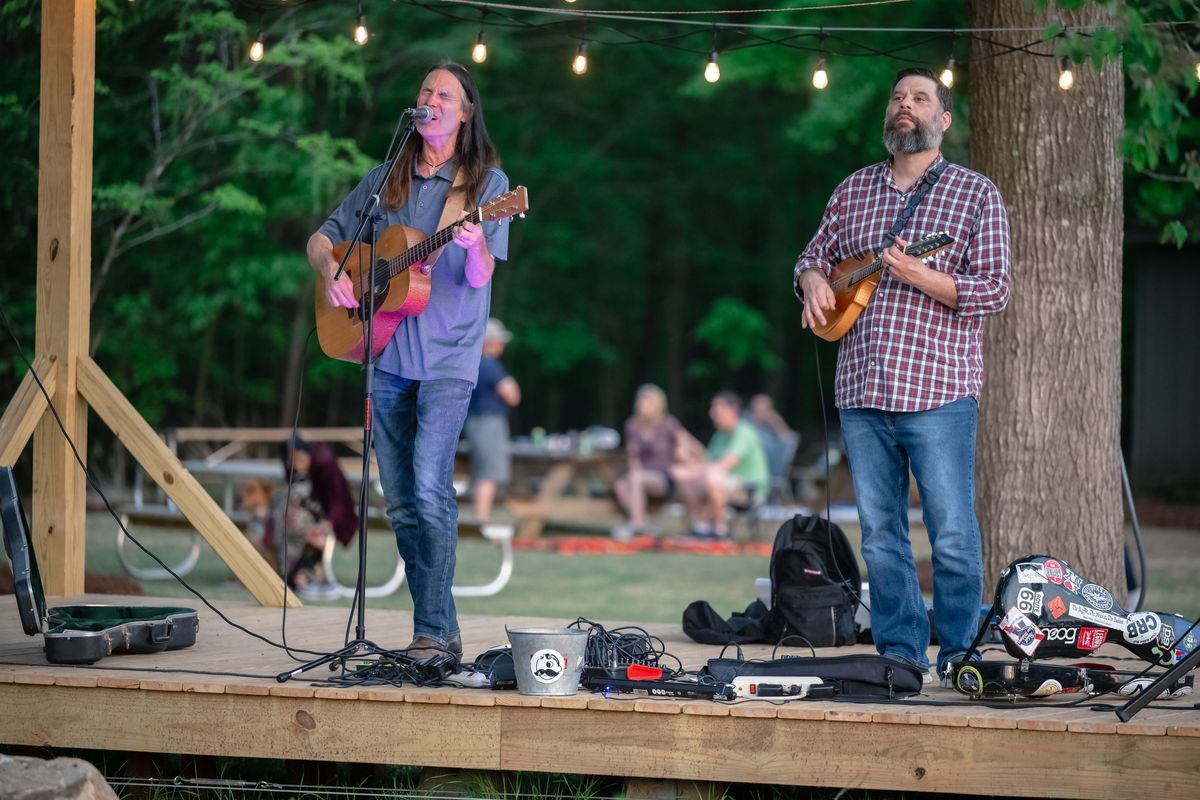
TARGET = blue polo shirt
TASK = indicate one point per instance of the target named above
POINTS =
(446, 339)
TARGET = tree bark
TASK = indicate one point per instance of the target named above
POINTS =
(1049, 428)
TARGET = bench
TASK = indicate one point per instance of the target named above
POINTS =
(169, 517)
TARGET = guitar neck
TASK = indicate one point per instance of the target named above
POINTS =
(422, 250)
(916, 249)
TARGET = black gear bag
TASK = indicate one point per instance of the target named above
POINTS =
(815, 584)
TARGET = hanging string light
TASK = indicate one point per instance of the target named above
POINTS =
(479, 51)
(258, 48)
(1066, 78)
(947, 76)
(712, 72)
(580, 64)
(1198, 71)
(360, 30)
(820, 77)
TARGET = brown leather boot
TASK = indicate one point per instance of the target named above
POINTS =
(422, 648)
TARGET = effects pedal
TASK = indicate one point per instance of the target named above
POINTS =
(762, 686)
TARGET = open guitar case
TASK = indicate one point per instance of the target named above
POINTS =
(82, 634)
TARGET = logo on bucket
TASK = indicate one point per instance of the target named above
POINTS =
(547, 665)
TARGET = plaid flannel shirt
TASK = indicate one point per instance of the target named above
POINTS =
(907, 351)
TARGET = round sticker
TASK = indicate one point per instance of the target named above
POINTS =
(1097, 597)
(1053, 571)
(1141, 627)
(547, 665)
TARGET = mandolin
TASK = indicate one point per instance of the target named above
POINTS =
(854, 280)
(400, 291)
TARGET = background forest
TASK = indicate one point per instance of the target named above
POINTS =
(666, 212)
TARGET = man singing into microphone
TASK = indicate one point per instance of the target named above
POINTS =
(426, 373)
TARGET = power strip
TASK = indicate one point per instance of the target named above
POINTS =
(757, 686)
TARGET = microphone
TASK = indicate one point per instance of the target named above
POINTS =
(420, 114)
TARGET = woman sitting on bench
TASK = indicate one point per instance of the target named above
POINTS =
(320, 505)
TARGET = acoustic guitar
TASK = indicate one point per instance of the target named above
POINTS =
(854, 280)
(400, 290)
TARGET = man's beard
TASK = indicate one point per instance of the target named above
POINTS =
(921, 137)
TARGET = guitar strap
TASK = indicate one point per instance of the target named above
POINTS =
(927, 183)
(455, 202)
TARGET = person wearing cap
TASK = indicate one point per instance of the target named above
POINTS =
(486, 430)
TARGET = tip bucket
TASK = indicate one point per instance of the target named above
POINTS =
(548, 661)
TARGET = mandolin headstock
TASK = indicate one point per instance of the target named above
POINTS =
(928, 245)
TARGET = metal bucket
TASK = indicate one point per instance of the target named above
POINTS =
(548, 661)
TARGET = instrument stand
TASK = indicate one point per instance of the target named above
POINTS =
(369, 214)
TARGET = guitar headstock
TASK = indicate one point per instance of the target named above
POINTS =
(928, 245)
(506, 205)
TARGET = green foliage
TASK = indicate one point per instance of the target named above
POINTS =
(666, 212)
(737, 335)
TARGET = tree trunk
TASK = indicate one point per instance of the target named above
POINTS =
(1049, 427)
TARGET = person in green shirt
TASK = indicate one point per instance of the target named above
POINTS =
(734, 469)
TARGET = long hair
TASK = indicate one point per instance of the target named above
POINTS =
(474, 152)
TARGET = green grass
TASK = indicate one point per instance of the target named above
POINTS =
(643, 587)
(646, 587)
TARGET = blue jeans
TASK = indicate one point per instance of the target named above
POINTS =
(417, 424)
(939, 446)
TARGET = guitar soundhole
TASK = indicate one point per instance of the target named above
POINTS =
(380, 299)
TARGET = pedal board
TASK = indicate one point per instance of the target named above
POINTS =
(763, 686)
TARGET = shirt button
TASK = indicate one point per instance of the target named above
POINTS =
(423, 185)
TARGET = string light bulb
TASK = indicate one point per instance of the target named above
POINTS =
(820, 77)
(479, 51)
(1066, 78)
(360, 30)
(1198, 71)
(580, 64)
(947, 77)
(712, 72)
(258, 49)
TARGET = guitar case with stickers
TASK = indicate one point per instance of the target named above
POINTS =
(1044, 609)
(82, 634)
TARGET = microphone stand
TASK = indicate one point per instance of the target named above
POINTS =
(368, 215)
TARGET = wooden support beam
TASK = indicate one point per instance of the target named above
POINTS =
(64, 254)
(162, 465)
(26, 408)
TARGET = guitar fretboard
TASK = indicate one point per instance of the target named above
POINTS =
(420, 251)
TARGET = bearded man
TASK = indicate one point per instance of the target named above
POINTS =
(910, 370)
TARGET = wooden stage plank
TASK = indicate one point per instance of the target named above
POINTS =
(142, 703)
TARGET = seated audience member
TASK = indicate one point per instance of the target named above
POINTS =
(735, 470)
(779, 441)
(486, 428)
(654, 443)
(319, 505)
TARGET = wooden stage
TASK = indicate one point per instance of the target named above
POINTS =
(1037, 748)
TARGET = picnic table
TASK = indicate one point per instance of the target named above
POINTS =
(562, 485)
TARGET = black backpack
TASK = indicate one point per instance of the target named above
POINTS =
(815, 584)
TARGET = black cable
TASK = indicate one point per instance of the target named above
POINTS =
(1143, 589)
(91, 481)
(854, 590)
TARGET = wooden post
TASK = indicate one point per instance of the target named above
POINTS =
(162, 465)
(63, 364)
(64, 258)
